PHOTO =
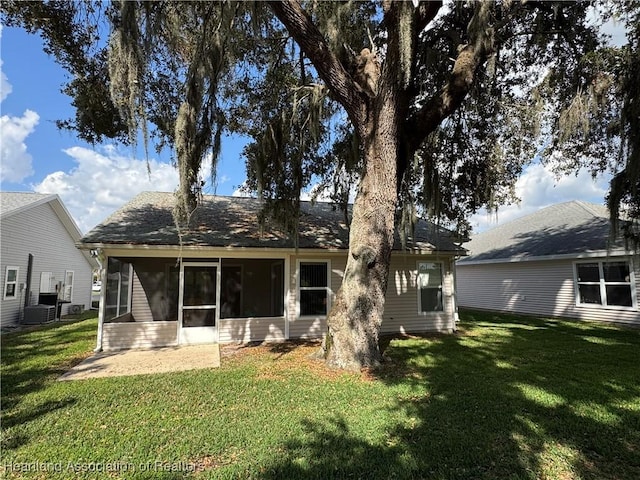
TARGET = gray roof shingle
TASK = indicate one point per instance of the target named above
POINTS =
(233, 221)
(568, 228)
(11, 202)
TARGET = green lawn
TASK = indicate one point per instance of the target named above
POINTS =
(506, 398)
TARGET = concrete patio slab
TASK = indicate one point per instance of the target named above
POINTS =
(144, 362)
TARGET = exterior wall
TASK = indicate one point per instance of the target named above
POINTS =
(401, 309)
(39, 231)
(245, 330)
(544, 288)
(118, 336)
(312, 327)
(401, 312)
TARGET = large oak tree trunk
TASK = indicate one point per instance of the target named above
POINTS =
(354, 321)
(377, 99)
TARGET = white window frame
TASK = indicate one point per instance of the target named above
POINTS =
(68, 288)
(299, 288)
(15, 283)
(603, 284)
(130, 291)
(442, 280)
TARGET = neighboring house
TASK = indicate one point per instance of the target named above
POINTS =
(227, 281)
(556, 262)
(39, 260)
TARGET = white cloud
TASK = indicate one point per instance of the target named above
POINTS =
(537, 188)
(16, 161)
(103, 182)
(5, 86)
(240, 192)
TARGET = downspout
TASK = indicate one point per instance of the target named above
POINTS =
(27, 290)
(456, 317)
(27, 297)
(98, 255)
(287, 285)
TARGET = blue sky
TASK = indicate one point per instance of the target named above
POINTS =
(94, 181)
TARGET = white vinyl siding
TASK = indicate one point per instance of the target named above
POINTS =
(544, 288)
(140, 308)
(271, 329)
(401, 313)
(117, 336)
(401, 305)
(39, 231)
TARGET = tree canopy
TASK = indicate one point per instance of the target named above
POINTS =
(426, 108)
(546, 83)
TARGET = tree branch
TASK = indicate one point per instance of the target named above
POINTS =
(313, 44)
(449, 99)
(451, 96)
(426, 12)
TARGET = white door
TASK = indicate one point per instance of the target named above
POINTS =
(199, 298)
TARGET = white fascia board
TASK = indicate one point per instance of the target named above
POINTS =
(171, 251)
(197, 250)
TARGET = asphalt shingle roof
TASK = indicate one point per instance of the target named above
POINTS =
(574, 227)
(12, 201)
(233, 221)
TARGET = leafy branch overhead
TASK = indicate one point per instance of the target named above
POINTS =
(477, 75)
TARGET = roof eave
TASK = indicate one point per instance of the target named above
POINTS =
(195, 248)
(567, 256)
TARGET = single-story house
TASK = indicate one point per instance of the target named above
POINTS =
(559, 261)
(40, 263)
(228, 280)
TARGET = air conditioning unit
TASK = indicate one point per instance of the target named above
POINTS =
(37, 314)
(75, 309)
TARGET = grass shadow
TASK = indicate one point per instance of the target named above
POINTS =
(509, 397)
(34, 358)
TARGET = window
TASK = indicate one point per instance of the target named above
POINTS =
(606, 283)
(430, 287)
(313, 288)
(117, 293)
(67, 288)
(11, 282)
